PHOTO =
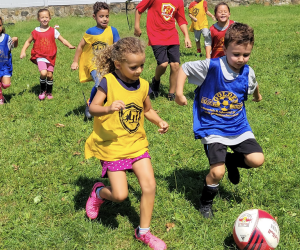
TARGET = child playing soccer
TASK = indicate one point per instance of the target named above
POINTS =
(44, 51)
(119, 138)
(218, 30)
(6, 67)
(95, 39)
(220, 119)
(197, 12)
(163, 37)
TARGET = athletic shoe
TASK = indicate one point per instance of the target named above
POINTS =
(206, 210)
(87, 112)
(42, 95)
(171, 97)
(49, 96)
(155, 87)
(150, 240)
(233, 172)
(94, 203)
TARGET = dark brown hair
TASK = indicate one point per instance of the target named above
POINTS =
(219, 4)
(3, 29)
(42, 10)
(100, 6)
(239, 33)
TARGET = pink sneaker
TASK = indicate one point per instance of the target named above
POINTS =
(94, 203)
(49, 96)
(1, 97)
(152, 241)
(42, 95)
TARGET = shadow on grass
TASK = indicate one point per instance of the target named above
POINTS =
(229, 242)
(79, 111)
(109, 210)
(10, 96)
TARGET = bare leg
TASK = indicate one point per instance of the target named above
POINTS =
(215, 174)
(160, 70)
(173, 76)
(254, 160)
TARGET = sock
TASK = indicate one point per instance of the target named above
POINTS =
(198, 50)
(98, 192)
(143, 231)
(43, 85)
(237, 160)
(49, 86)
(208, 193)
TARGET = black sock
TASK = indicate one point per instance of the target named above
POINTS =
(208, 194)
(43, 85)
(49, 86)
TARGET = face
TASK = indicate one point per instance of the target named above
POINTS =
(102, 18)
(237, 55)
(132, 67)
(222, 14)
(1, 27)
(44, 18)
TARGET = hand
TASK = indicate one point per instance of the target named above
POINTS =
(71, 47)
(187, 42)
(164, 126)
(137, 31)
(180, 100)
(257, 98)
(74, 66)
(213, 17)
(195, 19)
(116, 106)
(23, 54)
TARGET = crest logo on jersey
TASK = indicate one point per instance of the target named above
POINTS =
(223, 104)
(98, 45)
(130, 117)
(167, 11)
(195, 12)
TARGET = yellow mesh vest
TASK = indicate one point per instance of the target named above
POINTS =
(93, 43)
(198, 12)
(120, 135)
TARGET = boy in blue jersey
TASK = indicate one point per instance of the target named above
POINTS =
(220, 119)
(95, 38)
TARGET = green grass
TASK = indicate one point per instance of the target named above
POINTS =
(37, 158)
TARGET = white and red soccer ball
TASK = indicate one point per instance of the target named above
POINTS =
(255, 229)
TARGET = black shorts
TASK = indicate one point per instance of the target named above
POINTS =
(166, 53)
(216, 152)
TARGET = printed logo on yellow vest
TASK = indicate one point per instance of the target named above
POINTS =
(195, 12)
(223, 104)
(167, 11)
(130, 117)
(98, 45)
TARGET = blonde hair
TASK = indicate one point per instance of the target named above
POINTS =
(105, 58)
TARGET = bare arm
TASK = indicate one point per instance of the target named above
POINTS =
(26, 45)
(153, 117)
(78, 53)
(137, 29)
(65, 42)
(180, 98)
(15, 41)
(193, 18)
(256, 95)
(187, 40)
(211, 15)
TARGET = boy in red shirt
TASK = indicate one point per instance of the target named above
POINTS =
(163, 37)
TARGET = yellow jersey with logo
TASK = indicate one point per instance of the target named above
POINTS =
(120, 135)
(198, 11)
(93, 43)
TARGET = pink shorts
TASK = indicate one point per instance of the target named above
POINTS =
(45, 66)
(124, 164)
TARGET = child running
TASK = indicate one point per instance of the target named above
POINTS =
(6, 67)
(118, 138)
(220, 119)
(95, 38)
(218, 30)
(44, 51)
(197, 12)
(163, 37)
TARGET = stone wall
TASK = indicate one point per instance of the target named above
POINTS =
(22, 14)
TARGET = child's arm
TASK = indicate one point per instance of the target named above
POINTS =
(192, 17)
(65, 42)
(26, 45)
(211, 15)
(180, 98)
(185, 32)
(78, 52)
(15, 41)
(257, 96)
(137, 29)
(153, 117)
(97, 109)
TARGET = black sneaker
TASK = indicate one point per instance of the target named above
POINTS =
(206, 211)
(171, 97)
(233, 172)
(87, 112)
(155, 87)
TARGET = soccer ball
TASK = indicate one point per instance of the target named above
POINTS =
(256, 229)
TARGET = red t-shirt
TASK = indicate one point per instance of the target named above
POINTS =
(217, 40)
(192, 4)
(161, 18)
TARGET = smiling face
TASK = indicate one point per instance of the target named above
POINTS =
(131, 68)
(237, 55)
(102, 18)
(222, 14)
(44, 19)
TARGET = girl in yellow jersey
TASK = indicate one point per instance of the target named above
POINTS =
(118, 138)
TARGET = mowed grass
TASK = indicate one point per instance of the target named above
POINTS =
(45, 180)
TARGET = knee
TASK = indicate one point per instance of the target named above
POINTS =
(164, 65)
(174, 66)
(6, 85)
(217, 174)
(120, 196)
(49, 76)
(255, 160)
(43, 74)
(149, 187)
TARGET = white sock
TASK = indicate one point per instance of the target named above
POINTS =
(98, 192)
(143, 231)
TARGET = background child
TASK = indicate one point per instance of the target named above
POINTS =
(218, 30)
(95, 38)
(220, 119)
(197, 12)
(163, 37)
(6, 67)
(44, 51)
(119, 138)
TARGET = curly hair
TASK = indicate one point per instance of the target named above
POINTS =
(100, 6)
(105, 58)
(42, 10)
(239, 33)
(3, 29)
(220, 4)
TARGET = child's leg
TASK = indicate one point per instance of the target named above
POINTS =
(174, 60)
(207, 41)
(49, 88)
(6, 82)
(197, 34)
(43, 75)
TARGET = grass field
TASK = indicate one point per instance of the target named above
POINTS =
(45, 180)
